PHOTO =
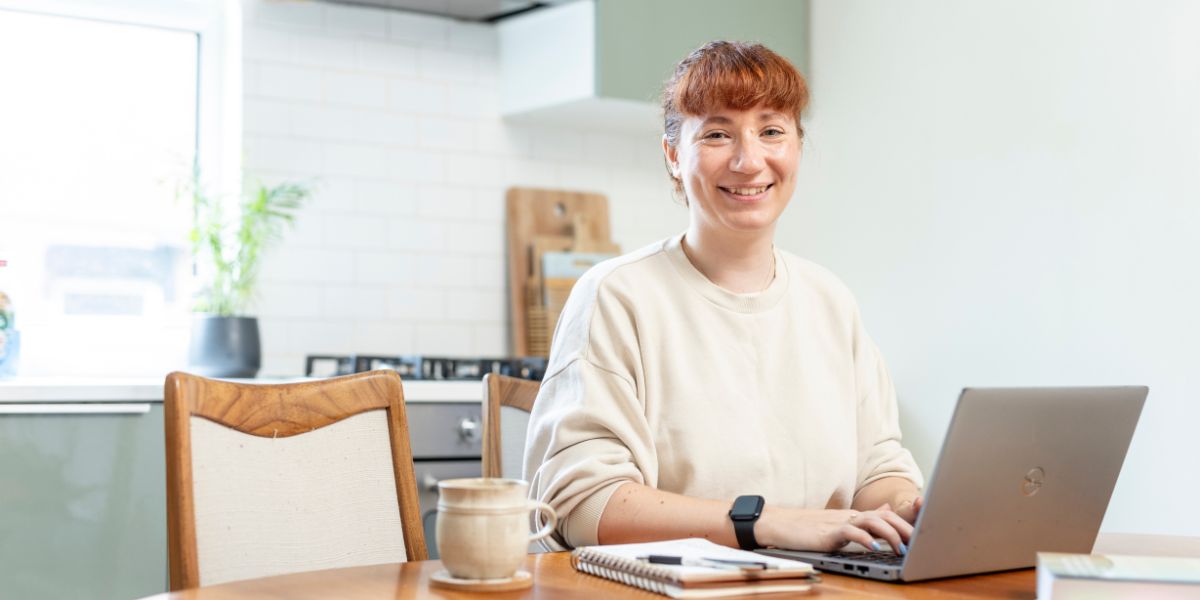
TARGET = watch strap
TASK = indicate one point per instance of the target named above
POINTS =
(744, 530)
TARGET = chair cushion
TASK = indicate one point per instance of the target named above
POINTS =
(318, 500)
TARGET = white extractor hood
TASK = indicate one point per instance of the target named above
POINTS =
(488, 11)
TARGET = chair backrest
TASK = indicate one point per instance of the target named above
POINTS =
(267, 479)
(507, 402)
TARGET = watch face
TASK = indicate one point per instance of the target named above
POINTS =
(747, 507)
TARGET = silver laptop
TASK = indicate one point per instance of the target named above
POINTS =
(1022, 471)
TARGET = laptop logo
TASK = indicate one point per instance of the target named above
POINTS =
(1033, 481)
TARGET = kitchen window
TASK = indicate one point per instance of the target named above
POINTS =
(98, 126)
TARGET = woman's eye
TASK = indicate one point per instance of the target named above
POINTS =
(715, 135)
(773, 132)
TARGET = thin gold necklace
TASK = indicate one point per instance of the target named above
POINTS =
(771, 275)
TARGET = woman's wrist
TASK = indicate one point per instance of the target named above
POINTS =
(771, 528)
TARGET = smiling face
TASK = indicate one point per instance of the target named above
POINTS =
(737, 168)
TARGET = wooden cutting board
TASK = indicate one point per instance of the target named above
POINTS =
(534, 213)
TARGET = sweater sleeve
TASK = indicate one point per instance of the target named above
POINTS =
(880, 453)
(587, 436)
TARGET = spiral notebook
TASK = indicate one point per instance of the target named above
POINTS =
(624, 563)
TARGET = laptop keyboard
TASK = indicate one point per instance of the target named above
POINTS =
(881, 558)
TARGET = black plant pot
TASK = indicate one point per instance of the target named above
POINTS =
(224, 346)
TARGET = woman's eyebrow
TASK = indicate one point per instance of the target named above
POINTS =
(718, 119)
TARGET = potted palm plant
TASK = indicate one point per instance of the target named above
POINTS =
(227, 250)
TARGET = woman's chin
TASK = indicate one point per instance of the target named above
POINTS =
(751, 223)
(741, 222)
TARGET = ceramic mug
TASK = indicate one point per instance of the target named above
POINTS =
(483, 526)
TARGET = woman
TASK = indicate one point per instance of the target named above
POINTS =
(712, 366)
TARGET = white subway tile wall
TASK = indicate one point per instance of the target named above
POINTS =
(394, 118)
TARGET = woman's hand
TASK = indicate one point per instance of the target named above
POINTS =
(828, 530)
(897, 492)
(909, 508)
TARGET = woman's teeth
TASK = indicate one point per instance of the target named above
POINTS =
(754, 191)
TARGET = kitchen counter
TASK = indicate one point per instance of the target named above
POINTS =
(80, 389)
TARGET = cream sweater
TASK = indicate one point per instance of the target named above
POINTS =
(660, 377)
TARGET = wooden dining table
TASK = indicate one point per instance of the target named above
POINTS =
(554, 578)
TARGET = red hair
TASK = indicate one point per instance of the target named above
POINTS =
(725, 75)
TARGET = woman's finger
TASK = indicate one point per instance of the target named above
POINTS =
(875, 524)
(853, 533)
(903, 527)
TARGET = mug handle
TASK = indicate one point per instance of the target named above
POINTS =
(551, 521)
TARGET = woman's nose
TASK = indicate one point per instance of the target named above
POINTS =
(747, 158)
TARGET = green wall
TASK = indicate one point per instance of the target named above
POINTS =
(638, 42)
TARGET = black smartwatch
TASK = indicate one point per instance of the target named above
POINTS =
(744, 514)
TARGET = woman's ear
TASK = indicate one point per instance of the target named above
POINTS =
(671, 155)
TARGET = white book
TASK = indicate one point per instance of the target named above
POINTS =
(1116, 577)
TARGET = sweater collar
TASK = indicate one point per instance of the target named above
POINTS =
(753, 302)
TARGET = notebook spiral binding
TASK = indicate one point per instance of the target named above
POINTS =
(636, 573)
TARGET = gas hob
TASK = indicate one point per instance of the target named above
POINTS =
(413, 367)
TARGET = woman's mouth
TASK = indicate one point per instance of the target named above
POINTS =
(748, 193)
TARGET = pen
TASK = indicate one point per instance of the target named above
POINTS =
(712, 563)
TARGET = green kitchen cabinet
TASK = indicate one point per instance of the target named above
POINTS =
(82, 500)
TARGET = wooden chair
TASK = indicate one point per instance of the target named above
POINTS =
(507, 402)
(281, 478)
